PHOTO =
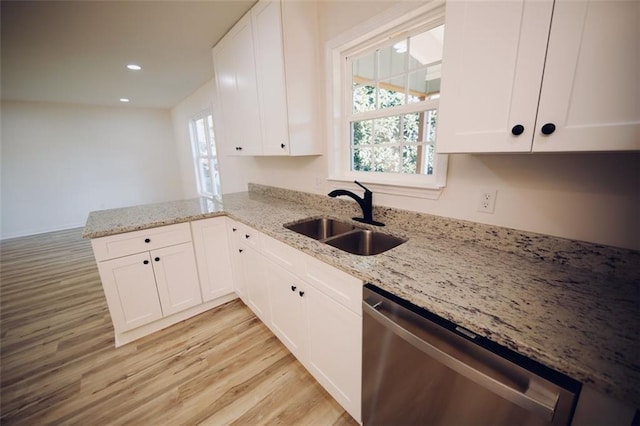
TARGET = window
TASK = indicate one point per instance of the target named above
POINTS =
(385, 114)
(204, 154)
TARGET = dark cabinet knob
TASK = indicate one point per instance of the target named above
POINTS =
(282, 145)
(234, 229)
(517, 130)
(247, 236)
(147, 240)
(293, 288)
(238, 148)
(548, 128)
(301, 293)
(146, 262)
(157, 259)
(240, 250)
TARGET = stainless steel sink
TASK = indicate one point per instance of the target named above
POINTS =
(365, 242)
(321, 228)
(345, 236)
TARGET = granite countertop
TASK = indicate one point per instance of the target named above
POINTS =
(576, 312)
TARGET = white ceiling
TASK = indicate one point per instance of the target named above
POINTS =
(77, 51)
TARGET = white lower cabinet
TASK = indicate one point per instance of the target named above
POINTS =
(287, 296)
(213, 255)
(157, 277)
(247, 265)
(335, 349)
(144, 287)
(316, 312)
(130, 288)
(233, 233)
(176, 278)
(150, 277)
(254, 282)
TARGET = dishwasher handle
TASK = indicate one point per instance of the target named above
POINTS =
(535, 404)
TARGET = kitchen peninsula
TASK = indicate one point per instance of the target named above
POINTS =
(569, 305)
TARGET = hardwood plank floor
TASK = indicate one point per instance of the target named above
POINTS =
(58, 363)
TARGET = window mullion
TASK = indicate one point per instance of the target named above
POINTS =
(398, 110)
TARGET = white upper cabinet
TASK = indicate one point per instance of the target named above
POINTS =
(235, 70)
(267, 24)
(591, 85)
(540, 76)
(284, 67)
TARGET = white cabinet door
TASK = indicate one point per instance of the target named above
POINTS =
(313, 308)
(335, 349)
(130, 288)
(502, 84)
(492, 67)
(235, 70)
(233, 232)
(255, 282)
(591, 85)
(176, 278)
(267, 24)
(303, 71)
(267, 74)
(286, 299)
(213, 257)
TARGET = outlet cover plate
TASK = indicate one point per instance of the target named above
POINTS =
(487, 201)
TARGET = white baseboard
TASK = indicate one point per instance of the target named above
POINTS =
(40, 231)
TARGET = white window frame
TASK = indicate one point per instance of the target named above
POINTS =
(210, 156)
(390, 25)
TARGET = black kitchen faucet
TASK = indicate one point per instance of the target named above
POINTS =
(365, 203)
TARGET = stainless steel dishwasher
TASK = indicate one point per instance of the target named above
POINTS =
(419, 369)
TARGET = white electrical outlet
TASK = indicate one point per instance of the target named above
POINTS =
(487, 201)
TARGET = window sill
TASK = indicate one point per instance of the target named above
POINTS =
(429, 192)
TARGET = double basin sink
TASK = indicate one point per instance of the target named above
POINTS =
(346, 236)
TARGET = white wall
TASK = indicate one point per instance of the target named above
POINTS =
(61, 161)
(589, 197)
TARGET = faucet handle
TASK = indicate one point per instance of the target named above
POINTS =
(361, 186)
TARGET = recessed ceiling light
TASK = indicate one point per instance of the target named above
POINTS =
(134, 67)
(125, 100)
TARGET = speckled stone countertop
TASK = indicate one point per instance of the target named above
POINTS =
(570, 305)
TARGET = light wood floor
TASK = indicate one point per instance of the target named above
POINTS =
(59, 364)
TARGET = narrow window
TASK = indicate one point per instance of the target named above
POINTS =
(204, 154)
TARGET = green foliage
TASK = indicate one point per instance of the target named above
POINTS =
(388, 144)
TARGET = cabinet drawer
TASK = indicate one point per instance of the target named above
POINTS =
(290, 258)
(138, 241)
(340, 286)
